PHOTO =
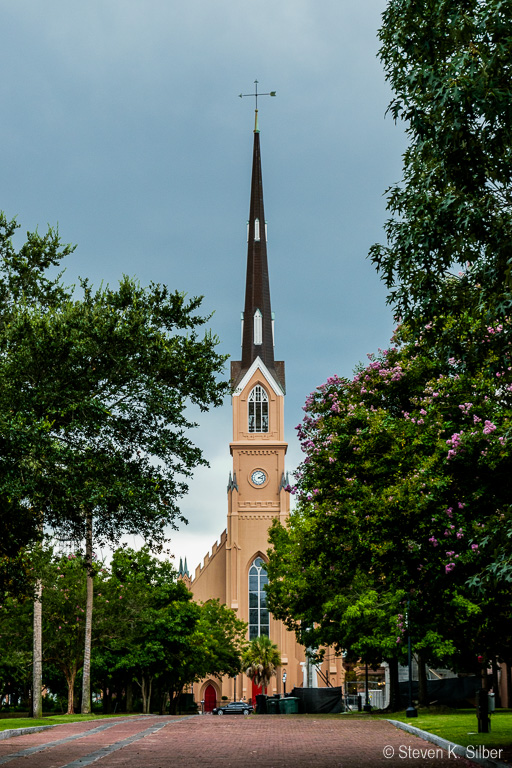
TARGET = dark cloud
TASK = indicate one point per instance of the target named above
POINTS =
(121, 123)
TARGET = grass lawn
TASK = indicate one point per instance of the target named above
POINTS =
(460, 726)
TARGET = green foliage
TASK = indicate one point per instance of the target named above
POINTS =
(146, 629)
(154, 634)
(448, 63)
(404, 492)
(94, 386)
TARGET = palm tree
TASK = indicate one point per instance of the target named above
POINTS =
(261, 660)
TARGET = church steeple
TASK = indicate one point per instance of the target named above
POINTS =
(257, 338)
(257, 329)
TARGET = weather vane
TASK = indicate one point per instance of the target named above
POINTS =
(256, 94)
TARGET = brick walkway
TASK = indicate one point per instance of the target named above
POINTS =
(204, 742)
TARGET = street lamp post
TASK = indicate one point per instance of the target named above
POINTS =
(284, 683)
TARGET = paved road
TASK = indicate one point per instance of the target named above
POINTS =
(204, 742)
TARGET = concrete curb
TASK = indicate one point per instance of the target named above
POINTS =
(10, 732)
(449, 746)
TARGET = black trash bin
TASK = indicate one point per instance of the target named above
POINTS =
(261, 704)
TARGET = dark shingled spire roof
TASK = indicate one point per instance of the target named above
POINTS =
(257, 287)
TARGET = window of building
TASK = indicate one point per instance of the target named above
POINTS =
(256, 229)
(258, 327)
(258, 612)
(258, 410)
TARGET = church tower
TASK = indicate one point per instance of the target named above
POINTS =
(234, 571)
(256, 492)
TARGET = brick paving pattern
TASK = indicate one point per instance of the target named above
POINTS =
(209, 741)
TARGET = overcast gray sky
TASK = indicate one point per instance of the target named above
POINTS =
(121, 123)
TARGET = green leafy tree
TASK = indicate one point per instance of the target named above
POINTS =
(155, 636)
(15, 651)
(95, 384)
(64, 605)
(448, 64)
(402, 493)
(261, 660)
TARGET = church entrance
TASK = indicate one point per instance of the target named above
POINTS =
(256, 690)
(210, 698)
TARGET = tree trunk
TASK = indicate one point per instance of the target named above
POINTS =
(145, 690)
(70, 680)
(86, 679)
(129, 697)
(174, 697)
(37, 658)
(394, 686)
(164, 698)
(423, 699)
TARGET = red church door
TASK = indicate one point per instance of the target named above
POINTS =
(256, 690)
(210, 698)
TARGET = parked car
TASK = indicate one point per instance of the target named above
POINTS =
(234, 708)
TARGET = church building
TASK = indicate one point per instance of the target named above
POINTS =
(257, 494)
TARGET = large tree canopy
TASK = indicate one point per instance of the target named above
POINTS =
(448, 63)
(403, 493)
(94, 386)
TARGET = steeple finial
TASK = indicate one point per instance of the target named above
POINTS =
(256, 94)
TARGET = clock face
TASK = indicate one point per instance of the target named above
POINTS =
(258, 477)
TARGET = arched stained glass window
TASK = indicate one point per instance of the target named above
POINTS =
(258, 611)
(258, 410)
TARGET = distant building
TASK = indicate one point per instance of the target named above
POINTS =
(257, 485)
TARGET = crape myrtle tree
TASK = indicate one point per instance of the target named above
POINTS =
(402, 495)
(448, 63)
(95, 384)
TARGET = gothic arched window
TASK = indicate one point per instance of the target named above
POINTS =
(258, 410)
(258, 612)
(258, 327)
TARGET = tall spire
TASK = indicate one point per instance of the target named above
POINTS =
(257, 336)
(257, 322)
